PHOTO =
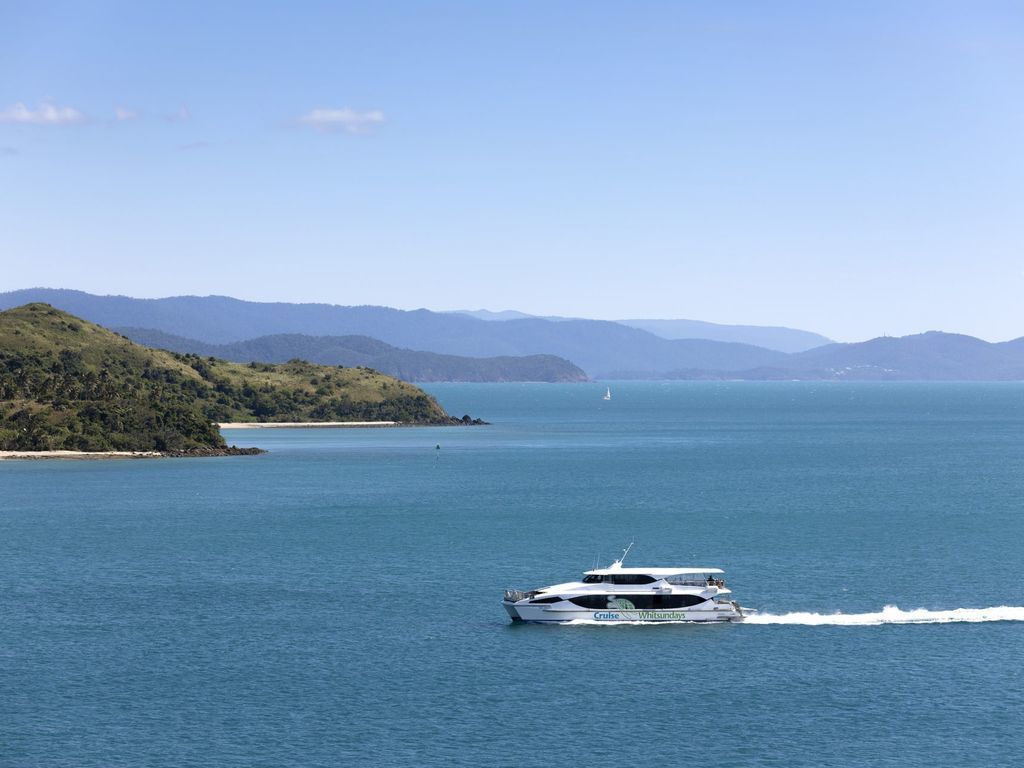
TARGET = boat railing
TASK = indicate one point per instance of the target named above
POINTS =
(696, 582)
(515, 595)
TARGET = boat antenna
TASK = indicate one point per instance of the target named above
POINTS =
(625, 552)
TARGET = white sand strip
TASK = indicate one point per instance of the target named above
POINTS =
(284, 424)
(79, 454)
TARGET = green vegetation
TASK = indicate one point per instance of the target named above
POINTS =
(67, 384)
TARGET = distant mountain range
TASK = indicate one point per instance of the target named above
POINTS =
(770, 337)
(351, 351)
(505, 314)
(428, 346)
(599, 347)
(932, 356)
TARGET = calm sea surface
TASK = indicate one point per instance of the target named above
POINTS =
(336, 602)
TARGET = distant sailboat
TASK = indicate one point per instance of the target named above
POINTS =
(608, 394)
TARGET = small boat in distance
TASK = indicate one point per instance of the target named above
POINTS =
(618, 595)
(608, 394)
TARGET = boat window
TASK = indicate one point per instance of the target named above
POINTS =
(555, 599)
(681, 601)
(630, 578)
(619, 578)
(593, 602)
(639, 602)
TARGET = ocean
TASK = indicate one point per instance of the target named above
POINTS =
(336, 602)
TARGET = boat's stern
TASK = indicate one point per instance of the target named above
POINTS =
(730, 610)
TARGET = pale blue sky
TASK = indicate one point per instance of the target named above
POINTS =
(849, 168)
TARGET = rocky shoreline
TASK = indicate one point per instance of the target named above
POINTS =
(232, 450)
(468, 421)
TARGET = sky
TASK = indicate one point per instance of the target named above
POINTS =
(855, 169)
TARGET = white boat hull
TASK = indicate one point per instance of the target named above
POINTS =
(719, 612)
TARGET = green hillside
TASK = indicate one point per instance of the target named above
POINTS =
(67, 384)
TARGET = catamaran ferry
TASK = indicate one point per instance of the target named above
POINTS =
(617, 594)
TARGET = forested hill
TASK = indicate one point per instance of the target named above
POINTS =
(406, 364)
(67, 384)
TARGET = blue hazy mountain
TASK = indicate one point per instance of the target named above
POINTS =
(598, 347)
(351, 351)
(931, 356)
(486, 314)
(924, 356)
(770, 337)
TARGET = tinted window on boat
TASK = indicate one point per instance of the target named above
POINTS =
(630, 578)
(547, 600)
(639, 602)
(619, 578)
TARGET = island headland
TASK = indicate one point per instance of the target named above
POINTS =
(70, 387)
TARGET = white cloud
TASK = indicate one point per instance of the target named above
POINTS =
(123, 114)
(347, 120)
(44, 114)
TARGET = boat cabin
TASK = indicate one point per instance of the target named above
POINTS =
(684, 577)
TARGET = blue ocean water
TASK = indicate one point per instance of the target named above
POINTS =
(336, 602)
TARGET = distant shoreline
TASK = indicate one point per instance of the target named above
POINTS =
(318, 424)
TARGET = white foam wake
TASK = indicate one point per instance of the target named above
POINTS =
(890, 614)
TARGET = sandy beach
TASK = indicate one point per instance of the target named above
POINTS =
(285, 424)
(186, 453)
(79, 455)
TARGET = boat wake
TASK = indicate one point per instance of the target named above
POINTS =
(890, 614)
